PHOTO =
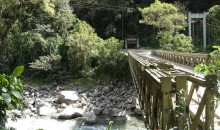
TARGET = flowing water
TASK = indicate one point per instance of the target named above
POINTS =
(131, 123)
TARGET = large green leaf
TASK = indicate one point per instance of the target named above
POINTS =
(6, 97)
(16, 94)
(17, 71)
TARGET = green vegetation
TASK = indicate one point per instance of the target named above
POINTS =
(213, 67)
(169, 22)
(50, 40)
(110, 125)
(84, 82)
(59, 40)
(11, 90)
(112, 61)
(213, 29)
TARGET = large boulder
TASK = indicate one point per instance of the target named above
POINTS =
(70, 113)
(89, 118)
(47, 111)
(68, 97)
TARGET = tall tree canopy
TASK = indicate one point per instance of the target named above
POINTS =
(169, 21)
(213, 25)
(46, 35)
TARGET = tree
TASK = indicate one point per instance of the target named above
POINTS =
(117, 18)
(169, 21)
(213, 28)
(41, 34)
(18, 21)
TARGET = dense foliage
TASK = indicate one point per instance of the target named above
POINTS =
(169, 21)
(113, 61)
(214, 67)
(49, 38)
(213, 28)
(119, 18)
(11, 90)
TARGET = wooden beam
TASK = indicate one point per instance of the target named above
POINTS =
(166, 88)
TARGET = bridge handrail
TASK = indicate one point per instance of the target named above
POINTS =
(156, 82)
(189, 59)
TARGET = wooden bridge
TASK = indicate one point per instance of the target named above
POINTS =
(172, 98)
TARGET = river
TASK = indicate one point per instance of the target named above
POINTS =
(131, 123)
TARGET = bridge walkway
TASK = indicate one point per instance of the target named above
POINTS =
(164, 85)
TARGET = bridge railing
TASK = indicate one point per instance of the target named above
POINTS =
(189, 59)
(166, 94)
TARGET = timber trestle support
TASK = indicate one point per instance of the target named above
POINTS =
(165, 95)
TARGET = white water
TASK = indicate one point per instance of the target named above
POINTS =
(52, 124)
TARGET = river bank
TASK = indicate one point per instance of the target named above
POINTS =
(78, 108)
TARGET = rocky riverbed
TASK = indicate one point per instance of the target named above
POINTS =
(83, 106)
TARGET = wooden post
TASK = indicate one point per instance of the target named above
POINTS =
(144, 93)
(148, 98)
(181, 84)
(142, 87)
(211, 81)
(155, 107)
(166, 88)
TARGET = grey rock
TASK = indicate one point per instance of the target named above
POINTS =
(116, 89)
(63, 105)
(128, 107)
(97, 93)
(106, 112)
(134, 102)
(68, 97)
(83, 103)
(98, 82)
(97, 110)
(119, 84)
(38, 104)
(70, 113)
(32, 94)
(27, 112)
(138, 111)
(106, 89)
(26, 93)
(115, 110)
(111, 87)
(90, 118)
(33, 109)
(30, 101)
(17, 113)
(47, 111)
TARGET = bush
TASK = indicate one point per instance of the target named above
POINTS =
(177, 42)
(11, 90)
(46, 63)
(112, 61)
(213, 67)
(80, 48)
